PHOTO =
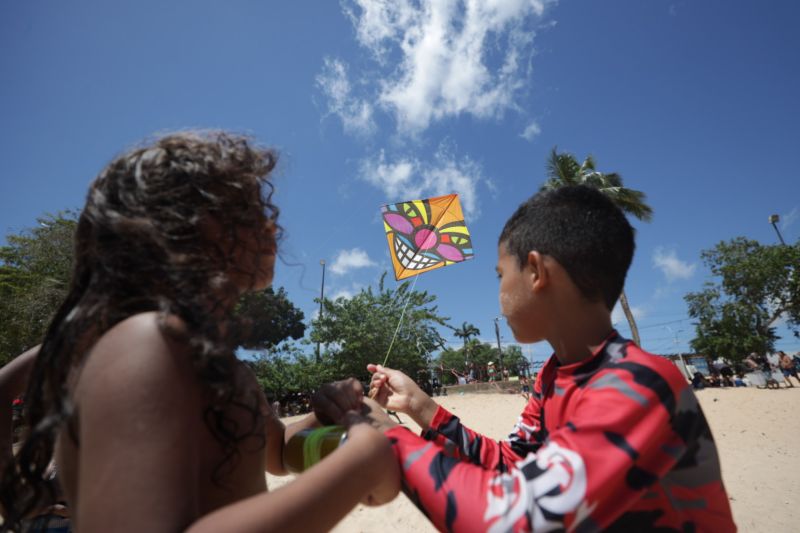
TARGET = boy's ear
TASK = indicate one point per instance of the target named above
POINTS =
(540, 276)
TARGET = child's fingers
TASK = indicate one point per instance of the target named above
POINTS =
(327, 412)
(356, 393)
(376, 385)
(332, 400)
(372, 367)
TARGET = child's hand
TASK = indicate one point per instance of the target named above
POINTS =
(391, 388)
(395, 391)
(370, 413)
(333, 400)
(384, 468)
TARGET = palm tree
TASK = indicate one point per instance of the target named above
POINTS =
(466, 332)
(563, 169)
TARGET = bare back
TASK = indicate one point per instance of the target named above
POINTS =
(144, 451)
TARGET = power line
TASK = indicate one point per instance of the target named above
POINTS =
(663, 323)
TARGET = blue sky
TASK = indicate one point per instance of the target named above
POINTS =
(369, 102)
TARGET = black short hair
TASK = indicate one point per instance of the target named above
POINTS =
(583, 230)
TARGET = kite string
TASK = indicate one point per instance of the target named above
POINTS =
(399, 322)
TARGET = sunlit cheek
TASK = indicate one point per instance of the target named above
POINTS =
(506, 303)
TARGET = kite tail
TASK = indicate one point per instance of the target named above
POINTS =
(399, 322)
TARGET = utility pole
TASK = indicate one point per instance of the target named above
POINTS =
(680, 354)
(321, 299)
(774, 219)
(499, 348)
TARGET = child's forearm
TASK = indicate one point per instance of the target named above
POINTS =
(309, 421)
(14, 376)
(275, 464)
(318, 498)
(13, 381)
(422, 409)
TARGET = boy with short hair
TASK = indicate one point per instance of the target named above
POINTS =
(612, 438)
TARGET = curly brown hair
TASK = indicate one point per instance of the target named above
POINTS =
(162, 230)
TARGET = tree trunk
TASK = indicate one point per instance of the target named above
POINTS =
(623, 301)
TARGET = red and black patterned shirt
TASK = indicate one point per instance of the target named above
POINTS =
(617, 442)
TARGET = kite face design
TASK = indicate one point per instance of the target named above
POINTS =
(426, 234)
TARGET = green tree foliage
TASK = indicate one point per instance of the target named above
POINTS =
(563, 169)
(35, 269)
(359, 330)
(270, 318)
(755, 286)
(479, 355)
(285, 369)
(466, 332)
(513, 359)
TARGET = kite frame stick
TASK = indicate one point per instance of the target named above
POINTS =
(399, 322)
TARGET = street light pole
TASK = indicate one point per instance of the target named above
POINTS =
(774, 219)
(321, 299)
(680, 354)
(499, 348)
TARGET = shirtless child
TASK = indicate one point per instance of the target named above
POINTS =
(136, 390)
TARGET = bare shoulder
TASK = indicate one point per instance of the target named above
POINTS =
(136, 359)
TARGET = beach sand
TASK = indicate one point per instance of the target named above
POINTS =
(757, 434)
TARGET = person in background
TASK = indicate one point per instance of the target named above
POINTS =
(490, 371)
(698, 381)
(525, 388)
(788, 367)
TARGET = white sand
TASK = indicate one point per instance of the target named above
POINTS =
(757, 434)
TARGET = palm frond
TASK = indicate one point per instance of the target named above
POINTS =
(563, 167)
(634, 203)
(613, 179)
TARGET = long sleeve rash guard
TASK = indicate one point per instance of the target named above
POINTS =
(616, 442)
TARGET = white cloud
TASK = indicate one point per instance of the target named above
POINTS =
(618, 315)
(779, 321)
(407, 178)
(789, 219)
(450, 57)
(343, 293)
(347, 292)
(355, 113)
(664, 292)
(672, 267)
(531, 132)
(348, 260)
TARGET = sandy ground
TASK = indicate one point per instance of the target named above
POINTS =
(757, 434)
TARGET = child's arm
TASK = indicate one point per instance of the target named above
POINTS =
(330, 404)
(320, 497)
(13, 381)
(143, 440)
(278, 435)
(396, 391)
(615, 448)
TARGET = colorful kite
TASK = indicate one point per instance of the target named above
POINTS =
(426, 234)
